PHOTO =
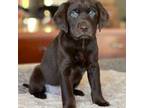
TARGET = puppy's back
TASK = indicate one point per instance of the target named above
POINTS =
(49, 64)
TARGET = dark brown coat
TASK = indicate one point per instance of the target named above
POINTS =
(72, 53)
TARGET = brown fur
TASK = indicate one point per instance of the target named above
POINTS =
(73, 52)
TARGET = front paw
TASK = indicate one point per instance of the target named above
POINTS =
(100, 101)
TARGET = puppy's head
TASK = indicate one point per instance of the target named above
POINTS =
(81, 18)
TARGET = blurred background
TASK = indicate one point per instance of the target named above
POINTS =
(36, 30)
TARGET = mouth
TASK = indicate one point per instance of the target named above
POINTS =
(84, 37)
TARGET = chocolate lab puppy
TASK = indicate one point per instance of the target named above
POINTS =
(73, 52)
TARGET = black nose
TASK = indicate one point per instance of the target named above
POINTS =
(83, 26)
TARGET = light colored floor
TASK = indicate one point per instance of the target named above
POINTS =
(113, 86)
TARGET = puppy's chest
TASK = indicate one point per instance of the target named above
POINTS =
(81, 58)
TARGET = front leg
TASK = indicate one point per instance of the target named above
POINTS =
(66, 87)
(94, 80)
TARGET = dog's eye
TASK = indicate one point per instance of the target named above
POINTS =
(74, 13)
(92, 13)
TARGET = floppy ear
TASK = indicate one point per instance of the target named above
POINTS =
(103, 16)
(60, 17)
